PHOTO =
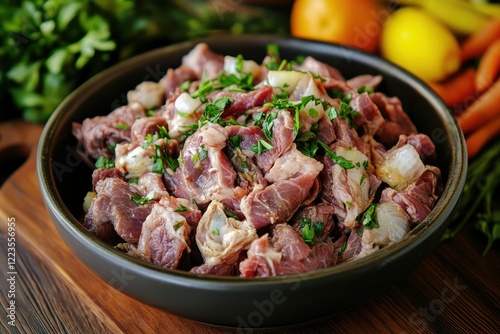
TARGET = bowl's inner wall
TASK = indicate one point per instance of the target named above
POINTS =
(108, 90)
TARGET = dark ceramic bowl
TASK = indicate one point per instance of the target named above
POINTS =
(257, 302)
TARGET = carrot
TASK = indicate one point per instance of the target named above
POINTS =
(477, 139)
(488, 67)
(478, 42)
(481, 111)
(457, 89)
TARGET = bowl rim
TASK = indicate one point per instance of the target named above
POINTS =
(432, 224)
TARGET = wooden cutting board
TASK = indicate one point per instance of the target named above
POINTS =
(398, 310)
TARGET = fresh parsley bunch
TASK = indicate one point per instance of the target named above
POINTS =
(49, 47)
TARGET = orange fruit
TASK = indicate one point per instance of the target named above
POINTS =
(355, 23)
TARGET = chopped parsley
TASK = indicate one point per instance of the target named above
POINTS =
(181, 208)
(347, 113)
(216, 232)
(162, 160)
(267, 125)
(332, 113)
(178, 225)
(285, 104)
(364, 89)
(103, 162)
(120, 126)
(134, 180)
(307, 143)
(242, 81)
(230, 214)
(339, 160)
(369, 219)
(261, 147)
(310, 230)
(235, 141)
(185, 86)
(199, 155)
(160, 133)
(139, 200)
(212, 114)
(274, 57)
(342, 248)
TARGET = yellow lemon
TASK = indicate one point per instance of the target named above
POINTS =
(416, 41)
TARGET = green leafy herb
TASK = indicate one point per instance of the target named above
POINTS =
(211, 114)
(339, 160)
(216, 232)
(178, 225)
(258, 119)
(332, 113)
(342, 248)
(181, 208)
(162, 160)
(235, 141)
(261, 147)
(185, 86)
(139, 200)
(103, 162)
(364, 89)
(120, 126)
(160, 133)
(347, 113)
(134, 180)
(308, 234)
(241, 81)
(310, 230)
(230, 214)
(478, 197)
(369, 219)
(267, 125)
(49, 48)
(274, 57)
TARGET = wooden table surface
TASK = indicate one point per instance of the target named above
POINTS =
(455, 289)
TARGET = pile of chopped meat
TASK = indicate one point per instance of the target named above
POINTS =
(227, 166)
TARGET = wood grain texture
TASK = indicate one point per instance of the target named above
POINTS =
(455, 290)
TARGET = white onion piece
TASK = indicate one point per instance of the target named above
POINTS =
(249, 66)
(135, 163)
(358, 158)
(148, 93)
(219, 238)
(286, 80)
(393, 222)
(357, 175)
(186, 105)
(401, 167)
(87, 200)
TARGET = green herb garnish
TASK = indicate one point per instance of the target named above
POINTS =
(103, 162)
(181, 208)
(339, 160)
(369, 219)
(235, 141)
(310, 229)
(139, 200)
(261, 147)
(120, 126)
